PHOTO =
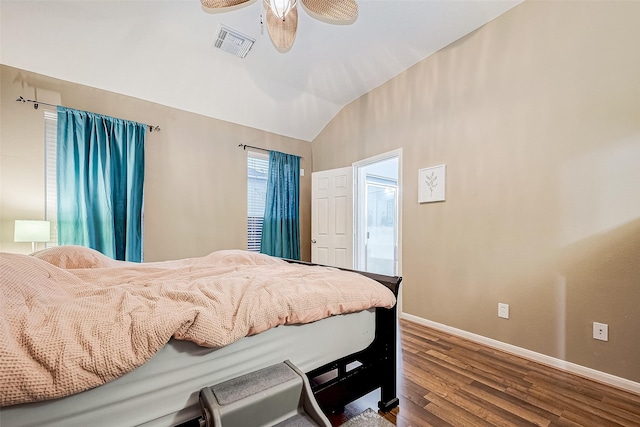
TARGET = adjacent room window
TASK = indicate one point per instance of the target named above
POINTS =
(50, 139)
(257, 172)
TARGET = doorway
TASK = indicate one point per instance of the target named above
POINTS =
(377, 219)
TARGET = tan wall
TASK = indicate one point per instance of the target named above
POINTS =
(537, 117)
(195, 179)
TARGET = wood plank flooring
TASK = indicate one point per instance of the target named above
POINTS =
(445, 380)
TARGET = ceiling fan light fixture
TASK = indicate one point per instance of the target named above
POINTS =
(282, 32)
(280, 8)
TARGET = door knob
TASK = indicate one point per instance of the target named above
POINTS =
(313, 241)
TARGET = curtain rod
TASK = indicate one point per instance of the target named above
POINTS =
(37, 103)
(245, 146)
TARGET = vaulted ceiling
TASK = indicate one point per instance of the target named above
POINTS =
(163, 51)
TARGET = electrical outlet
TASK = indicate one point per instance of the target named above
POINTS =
(601, 331)
(503, 310)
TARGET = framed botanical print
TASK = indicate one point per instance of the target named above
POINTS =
(431, 184)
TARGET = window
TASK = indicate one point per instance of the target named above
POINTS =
(257, 172)
(92, 211)
(51, 202)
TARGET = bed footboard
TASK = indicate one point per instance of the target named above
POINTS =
(342, 381)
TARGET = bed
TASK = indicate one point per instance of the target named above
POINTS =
(352, 344)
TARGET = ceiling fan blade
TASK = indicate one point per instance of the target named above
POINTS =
(333, 10)
(282, 32)
(214, 4)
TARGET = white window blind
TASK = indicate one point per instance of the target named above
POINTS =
(257, 172)
(51, 198)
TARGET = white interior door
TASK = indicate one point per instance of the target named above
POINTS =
(332, 217)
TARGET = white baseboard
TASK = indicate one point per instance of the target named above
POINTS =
(583, 371)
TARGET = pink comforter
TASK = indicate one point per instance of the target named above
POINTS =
(72, 319)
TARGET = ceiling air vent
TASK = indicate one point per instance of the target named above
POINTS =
(233, 41)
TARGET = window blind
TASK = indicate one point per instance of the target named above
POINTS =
(51, 199)
(257, 172)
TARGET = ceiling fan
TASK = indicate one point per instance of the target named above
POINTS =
(282, 15)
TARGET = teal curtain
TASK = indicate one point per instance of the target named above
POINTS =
(100, 177)
(281, 226)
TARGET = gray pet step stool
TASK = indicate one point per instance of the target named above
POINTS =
(279, 395)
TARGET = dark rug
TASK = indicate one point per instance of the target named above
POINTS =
(368, 418)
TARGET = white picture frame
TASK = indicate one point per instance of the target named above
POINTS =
(431, 184)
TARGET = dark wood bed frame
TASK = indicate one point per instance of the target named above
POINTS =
(342, 381)
(345, 380)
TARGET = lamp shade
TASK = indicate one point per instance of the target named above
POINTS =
(32, 231)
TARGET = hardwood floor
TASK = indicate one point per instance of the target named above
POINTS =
(448, 381)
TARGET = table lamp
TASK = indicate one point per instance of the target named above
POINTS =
(32, 231)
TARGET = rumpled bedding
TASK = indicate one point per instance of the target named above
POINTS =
(72, 319)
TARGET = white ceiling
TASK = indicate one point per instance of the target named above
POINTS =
(162, 51)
